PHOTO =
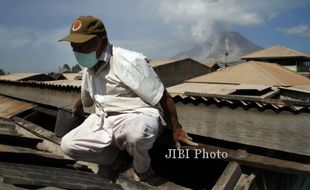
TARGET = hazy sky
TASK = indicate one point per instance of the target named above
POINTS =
(30, 29)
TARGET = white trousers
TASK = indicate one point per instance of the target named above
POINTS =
(100, 139)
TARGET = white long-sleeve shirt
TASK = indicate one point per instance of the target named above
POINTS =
(127, 83)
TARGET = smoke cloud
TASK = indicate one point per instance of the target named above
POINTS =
(198, 20)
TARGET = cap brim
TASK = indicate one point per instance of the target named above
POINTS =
(77, 38)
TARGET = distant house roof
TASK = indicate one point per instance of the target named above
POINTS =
(254, 72)
(157, 63)
(301, 88)
(275, 52)
(26, 77)
(73, 76)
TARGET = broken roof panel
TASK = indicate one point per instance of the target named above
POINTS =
(11, 107)
(221, 89)
(275, 52)
(254, 72)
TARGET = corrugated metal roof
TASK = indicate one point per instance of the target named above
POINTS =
(275, 52)
(11, 107)
(242, 101)
(64, 83)
(18, 76)
(254, 72)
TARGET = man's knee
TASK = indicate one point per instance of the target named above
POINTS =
(67, 146)
(144, 131)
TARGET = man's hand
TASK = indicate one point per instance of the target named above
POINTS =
(77, 109)
(179, 135)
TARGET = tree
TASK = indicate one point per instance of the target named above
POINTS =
(65, 69)
(2, 72)
(76, 68)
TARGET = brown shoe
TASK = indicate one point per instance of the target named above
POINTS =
(119, 165)
(149, 176)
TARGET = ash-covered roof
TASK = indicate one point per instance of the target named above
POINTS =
(254, 72)
(275, 52)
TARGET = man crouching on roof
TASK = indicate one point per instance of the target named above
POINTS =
(129, 98)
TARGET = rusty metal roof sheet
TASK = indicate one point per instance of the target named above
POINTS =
(275, 52)
(11, 107)
(254, 72)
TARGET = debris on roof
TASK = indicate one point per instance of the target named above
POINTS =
(24, 166)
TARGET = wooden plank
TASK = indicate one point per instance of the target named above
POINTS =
(8, 131)
(24, 150)
(11, 107)
(49, 172)
(36, 181)
(15, 139)
(4, 122)
(46, 111)
(229, 178)
(257, 161)
(37, 130)
(244, 182)
(283, 131)
(23, 174)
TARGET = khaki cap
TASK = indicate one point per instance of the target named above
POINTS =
(84, 29)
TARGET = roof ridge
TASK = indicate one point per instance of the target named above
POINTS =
(292, 50)
(268, 74)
